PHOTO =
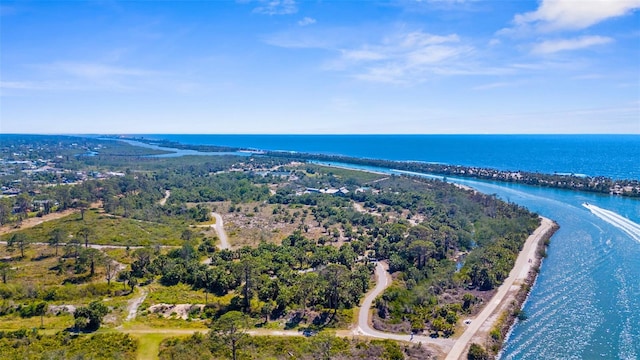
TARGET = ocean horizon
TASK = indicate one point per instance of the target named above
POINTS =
(614, 156)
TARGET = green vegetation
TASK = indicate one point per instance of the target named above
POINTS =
(103, 229)
(598, 184)
(321, 346)
(304, 237)
(88, 318)
(27, 345)
(477, 352)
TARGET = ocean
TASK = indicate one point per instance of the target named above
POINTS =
(615, 156)
(585, 303)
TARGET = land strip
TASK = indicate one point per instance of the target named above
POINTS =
(484, 321)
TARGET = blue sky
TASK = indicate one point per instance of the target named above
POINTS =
(286, 66)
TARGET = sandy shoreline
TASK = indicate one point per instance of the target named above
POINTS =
(480, 326)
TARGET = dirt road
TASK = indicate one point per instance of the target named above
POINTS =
(383, 280)
(134, 304)
(222, 235)
(167, 193)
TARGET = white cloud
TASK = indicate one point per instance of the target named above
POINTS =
(404, 58)
(553, 46)
(74, 76)
(306, 21)
(494, 85)
(277, 7)
(96, 70)
(573, 15)
(363, 55)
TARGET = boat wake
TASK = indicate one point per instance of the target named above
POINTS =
(629, 227)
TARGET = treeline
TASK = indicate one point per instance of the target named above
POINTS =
(598, 184)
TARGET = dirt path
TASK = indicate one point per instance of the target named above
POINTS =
(31, 222)
(178, 331)
(134, 304)
(167, 193)
(97, 246)
(222, 235)
(383, 280)
(505, 294)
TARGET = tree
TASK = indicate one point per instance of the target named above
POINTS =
(23, 203)
(421, 251)
(335, 279)
(307, 288)
(5, 210)
(90, 257)
(110, 268)
(247, 269)
(124, 276)
(20, 241)
(132, 281)
(41, 309)
(477, 352)
(90, 317)
(83, 206)
(57, 237)
(143, 259)
(231, 330)
(5, 271)
(86, 232)
(266, 310)
(73, 247)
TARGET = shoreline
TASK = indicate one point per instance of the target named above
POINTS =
(520, 278)
(522, 295)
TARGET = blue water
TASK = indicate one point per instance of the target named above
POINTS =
(179, 152)
(615, 156)
(586, 301)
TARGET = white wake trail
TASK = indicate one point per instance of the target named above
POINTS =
(629, 227)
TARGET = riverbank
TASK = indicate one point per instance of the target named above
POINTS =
(500, 313)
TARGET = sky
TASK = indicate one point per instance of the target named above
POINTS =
(320, 67)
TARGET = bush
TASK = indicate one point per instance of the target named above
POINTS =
(33, 309)
(477, 352)
(89, 318)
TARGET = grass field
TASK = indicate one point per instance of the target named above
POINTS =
(108, 230)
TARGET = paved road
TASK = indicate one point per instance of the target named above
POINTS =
(519, 272)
